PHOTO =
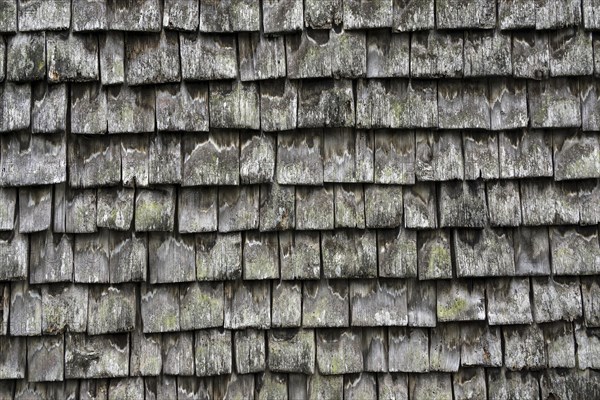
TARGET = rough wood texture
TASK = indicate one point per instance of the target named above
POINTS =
(508, 103)
(339, 352)
(554, 103)
(178, 353)
(531, 55)
(35, 209)
(218, 256)
(388, 54)
(444, 350)
(420, 206)
(508, 301)
(72, 58)
(463, 105)
(434, 255)
(112, 58)
(367, 14)
(261, 57)
(349, 254)
(114, 208)
(201, 305)
(206, 57)
(96, 356)
(462, 204)
(524, 347)
(182, 107)
(247, 305)
(281, 16)
(89, 110)
(238, 208)
(211, 159)
(249, 347)
(397, 253)
(171, 258)
(160, 308)
(128, 257)
(111, 309)
(525, 154)
(26, 57)
(261, 256)
(299, 255)
(277, 207)
(13, 253)
(460, 300)
(314, 207)
(326, 103)
(487, 252)
(576, 156)
(487, 53)
(130, 109)
(51, 257)
(49, 112)
(325, 304)
(15, 103)
(292, 351)
(382, 206)
(378, 303)
(413, 15)
(257, 158)
(481, 155)
(155, 209)
(481, 344)
(64, 307)
(455, 14)
(286, 311)
(230, 15)
(197, 210)
(409, 350)
(556, 299)
(439, 157)
(300, 158)
(234, 105)
(91, 258)
(571, 53)
(394, 157)
(164, 159)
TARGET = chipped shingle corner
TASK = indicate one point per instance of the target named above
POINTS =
(288, 199)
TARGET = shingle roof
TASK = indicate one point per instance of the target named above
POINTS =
(288, 199)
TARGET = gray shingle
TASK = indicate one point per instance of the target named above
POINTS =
(261, 57)
(348, 54)
(93, 161)
(367, 14)
(134, 160)
(531, 55)
(126, 388)
(72, 57)
(378, 303)
(181, 15)
(375, 349)
(516, 14)
(25, 310)
(64, 307)
(408, 350)
(111, 309)
(260, 256)
(131, 109)
(8, 197)
(91, 258)
(421, 303)
(239, 208)
(51, 258)
(277, 208)
(551, 14)
(463, 105)
(325, 304)
(229, 15)
(460, 300)
(300, 255)
(257, 157)
(456, 14)
(13, 360)
(271, 386)
(556, 299)
(114, 208)
(360, 386)
(554, 103)
(234, 105)
(481, 155)
(420, 206)
(278, 105)
(250, 349)
(434, 55)
(286, 309)
(280, 16)
(236, 386)
(171, 258)
(348, 155)
(382, 206)
(155, 209)
(439, 156)
(39, 15)
(571, 53)
(569, 383)
(8, 16)
(508, 104)
(211, 158)
(560, 345)
(164, 159)
(152, 59)
(388, 54)
(15, 106)
(128, 257)
(166, 386)
(523, 347)
(300, 158)
(349, 206)
(88, 109)
(309, 54)
(13, 253)
(397, 253)
(434, 254)
(349, 254)
(322, 14)
(178, 353)
(504, 203)
(136, 15)
(26, 57)
(413, 16)
(508, 301)
(218, 256)
(444, 348)
(487, 53)
(394, 157)
(576, 155)
(462, 204)
(49, 111)
(487, 252)
(112, 57)
(201, 305)
(525, 154)
(79, 208)
(100, 356)
(314, 207)
(546, 202)
(590, 104)
(197, 210)
(160, 308)
(206, 56)
(292, 351)
(339, 351)
(45, 358)
(89, 15)
(247, 305)
(35, 208)
(326, 103)
(590, 291)
(481, 345)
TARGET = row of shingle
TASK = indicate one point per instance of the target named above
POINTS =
(278, 16)
(271, 207)
(285, 105)
(213, 352)
(303, 157)
(466, 384)
(101, 309)
(141, 59)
